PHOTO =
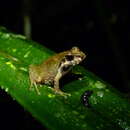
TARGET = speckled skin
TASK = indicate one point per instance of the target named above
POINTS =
(51, 70)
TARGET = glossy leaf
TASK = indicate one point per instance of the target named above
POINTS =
(108, 109)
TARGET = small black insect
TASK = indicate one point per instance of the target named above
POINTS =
(85, 98)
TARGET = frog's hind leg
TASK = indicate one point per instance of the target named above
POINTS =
(32, 80)
(37, 90)
(34, 85)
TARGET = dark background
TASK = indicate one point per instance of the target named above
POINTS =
(99, 28)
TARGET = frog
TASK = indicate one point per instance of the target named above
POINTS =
(50, 71)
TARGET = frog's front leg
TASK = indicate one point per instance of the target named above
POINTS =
(56, 84)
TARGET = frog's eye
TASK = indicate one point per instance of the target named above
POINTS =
(75, 48)
(69, 57)
(78, 56)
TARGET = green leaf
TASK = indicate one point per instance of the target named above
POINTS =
(109, 109)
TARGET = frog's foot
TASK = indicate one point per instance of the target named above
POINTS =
(37, 90)
(34, 85)
(58, 91)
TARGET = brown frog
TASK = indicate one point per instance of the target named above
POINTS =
(51, 70)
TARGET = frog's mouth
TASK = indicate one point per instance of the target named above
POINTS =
(77, 60)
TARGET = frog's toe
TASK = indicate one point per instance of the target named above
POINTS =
(61, 93)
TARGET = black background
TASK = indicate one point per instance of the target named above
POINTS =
(99, 28)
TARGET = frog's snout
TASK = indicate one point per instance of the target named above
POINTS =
(83, 56)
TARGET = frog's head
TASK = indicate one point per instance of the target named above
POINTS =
(71, 58)
(75, 56)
